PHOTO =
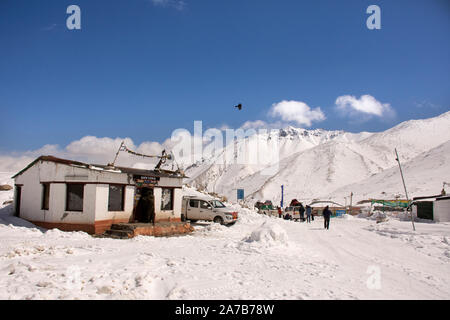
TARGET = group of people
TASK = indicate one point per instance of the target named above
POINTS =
(309, 216)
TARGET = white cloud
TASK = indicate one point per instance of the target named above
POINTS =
(296, 111)
(88, 149)
(254, 124)
(365, 105)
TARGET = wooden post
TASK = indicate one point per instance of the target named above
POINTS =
(115, 158)
(351, 199)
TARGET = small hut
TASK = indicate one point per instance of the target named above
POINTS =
(74, 196)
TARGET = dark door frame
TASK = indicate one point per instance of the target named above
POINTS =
(18, 200)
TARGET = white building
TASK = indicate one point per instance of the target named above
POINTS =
(75, 196)
(441, 209)
(432, 207)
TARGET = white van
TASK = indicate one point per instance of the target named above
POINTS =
(196, 208)
(294, 212)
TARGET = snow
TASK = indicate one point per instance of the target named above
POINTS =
(259, 257)
(268, 234)
(5, 178)
(423, 174)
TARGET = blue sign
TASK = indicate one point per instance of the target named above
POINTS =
(340, 212)
(240, 194)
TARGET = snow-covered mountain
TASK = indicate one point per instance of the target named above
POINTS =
(424, 175)
(319, 163)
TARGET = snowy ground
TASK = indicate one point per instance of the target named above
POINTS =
(258, 258)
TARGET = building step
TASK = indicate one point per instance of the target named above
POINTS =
(160, 229)
(122, 226)
(119, 234)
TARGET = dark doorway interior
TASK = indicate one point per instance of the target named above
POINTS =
(425, 210)
(144, 210)
(18, 200)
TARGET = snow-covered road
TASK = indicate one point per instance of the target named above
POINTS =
(258, 258)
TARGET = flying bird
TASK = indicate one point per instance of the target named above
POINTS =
(239, 106)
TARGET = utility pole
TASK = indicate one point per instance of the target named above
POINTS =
(351, 199)
(404, 185)
(282, 196)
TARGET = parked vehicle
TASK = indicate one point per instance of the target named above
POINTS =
(268, 210)
(196, 208)
(294, 212)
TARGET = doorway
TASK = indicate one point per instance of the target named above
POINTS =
(144, 205)
(18, 200)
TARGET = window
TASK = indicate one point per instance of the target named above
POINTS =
(204, 205)
(217, 204)
(116, 198)
(45, 196)
(167, 199)
(74, 197)
(193, 203)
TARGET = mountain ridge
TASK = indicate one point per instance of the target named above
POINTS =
(314, 163)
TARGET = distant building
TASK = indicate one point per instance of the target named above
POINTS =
(435, 208)
(74, 196)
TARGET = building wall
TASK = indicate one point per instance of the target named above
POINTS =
(168, 215)
(95, 197)
(441, 210)
(104, 218)
(32, 193)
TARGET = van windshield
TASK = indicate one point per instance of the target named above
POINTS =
(217, 204)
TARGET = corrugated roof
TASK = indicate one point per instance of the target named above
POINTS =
(134, 171)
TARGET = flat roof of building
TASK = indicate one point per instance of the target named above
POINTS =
(117, 169)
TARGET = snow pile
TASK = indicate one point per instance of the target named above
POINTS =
(377, 215)
(406, 216)
(73, 235)
(346, 217)
(269, 234)
(5, 196)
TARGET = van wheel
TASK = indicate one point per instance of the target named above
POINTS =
(218, 220)
(192, 220)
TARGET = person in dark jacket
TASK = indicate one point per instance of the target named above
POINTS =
(326, 217)
(302, 212)
(145, 209)
(308, 213)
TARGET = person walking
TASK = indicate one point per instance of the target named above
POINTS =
(302, 212)
(308, 213)
(326, 217)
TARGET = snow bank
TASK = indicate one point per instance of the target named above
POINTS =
(268, 234)
(346, 217)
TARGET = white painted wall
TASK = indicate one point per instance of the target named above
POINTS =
(441, 210)
(102, 195)
(170, 182)
(166, 214)
(95, 198)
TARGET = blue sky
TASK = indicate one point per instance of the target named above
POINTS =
(142, 68)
